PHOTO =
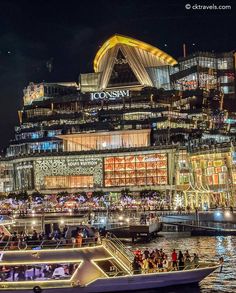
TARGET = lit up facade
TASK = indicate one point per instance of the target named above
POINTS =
(206, 70)
(127, 125)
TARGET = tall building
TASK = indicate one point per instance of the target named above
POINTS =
(207, 71)
(129, 124)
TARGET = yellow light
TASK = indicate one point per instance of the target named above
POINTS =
(119, 39)
(51, 250)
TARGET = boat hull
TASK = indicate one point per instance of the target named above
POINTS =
(136, 282)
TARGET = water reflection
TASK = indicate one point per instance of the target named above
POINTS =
(208, 248)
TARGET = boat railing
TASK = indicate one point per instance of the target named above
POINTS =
(170, 269)
(118, 249)
(12, 244)
(119, 244)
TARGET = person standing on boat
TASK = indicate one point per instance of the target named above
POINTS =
(79, 240)
(187, 259)
(146, 253)
(181, 260)
(195, 260)
(145, 265)
(136, 266)
(174, 260)
(151, 265)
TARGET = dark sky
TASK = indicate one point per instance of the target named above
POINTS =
(70, 33)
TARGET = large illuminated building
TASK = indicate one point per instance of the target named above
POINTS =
(126, 125)
(207, 71)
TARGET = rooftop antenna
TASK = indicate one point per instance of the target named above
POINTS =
(184, 50)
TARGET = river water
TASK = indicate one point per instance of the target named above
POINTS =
(208, 248)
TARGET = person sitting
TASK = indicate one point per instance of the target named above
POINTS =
(58, 272)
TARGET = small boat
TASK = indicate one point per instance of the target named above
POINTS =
(95, 267)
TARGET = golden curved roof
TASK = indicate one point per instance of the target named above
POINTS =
(119, 39)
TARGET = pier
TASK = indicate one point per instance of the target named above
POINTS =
(137, 231)
(207, 224)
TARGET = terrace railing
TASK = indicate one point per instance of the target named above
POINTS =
(11, 244)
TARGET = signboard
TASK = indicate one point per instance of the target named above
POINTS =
(33, 92)
(110, 95)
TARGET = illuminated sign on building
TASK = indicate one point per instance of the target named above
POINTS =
(33, 92)
(112, 95)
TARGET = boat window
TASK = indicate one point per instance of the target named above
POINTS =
(38, 272)
(111, 267)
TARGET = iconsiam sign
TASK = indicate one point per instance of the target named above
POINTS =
(111, 95)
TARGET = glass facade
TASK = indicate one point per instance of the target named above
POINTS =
(44, 146)
(206, 70)
(59, 182)
(136, 170)
(106, 140)
(122, 73)
(160, 76)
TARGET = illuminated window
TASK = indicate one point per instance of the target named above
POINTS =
(137, 170)
(77, 181)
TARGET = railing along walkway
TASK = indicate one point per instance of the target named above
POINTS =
(12, 244)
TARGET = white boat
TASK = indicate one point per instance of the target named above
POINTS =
(104, 267)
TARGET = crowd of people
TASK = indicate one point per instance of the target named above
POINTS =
(68, 237)
(157, 260)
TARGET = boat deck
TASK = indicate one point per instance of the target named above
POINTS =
(86, 268)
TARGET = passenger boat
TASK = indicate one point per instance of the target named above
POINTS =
(100, 267)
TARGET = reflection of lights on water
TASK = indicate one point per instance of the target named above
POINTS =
(229, 245)
(220, 248)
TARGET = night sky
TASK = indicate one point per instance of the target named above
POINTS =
(67, 34)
